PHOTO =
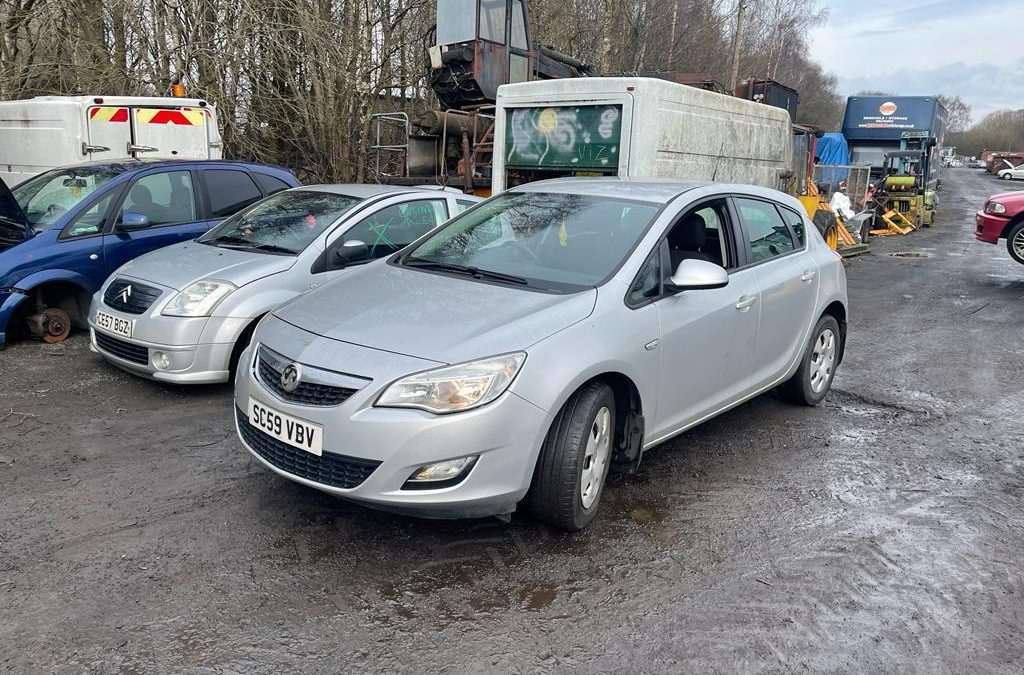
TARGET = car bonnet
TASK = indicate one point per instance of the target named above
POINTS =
(433, 316)
(181, 265)
(17, 225)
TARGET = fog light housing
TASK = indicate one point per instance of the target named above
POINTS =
(161, 360)
(440, 474)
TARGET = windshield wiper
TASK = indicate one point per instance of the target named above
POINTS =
(242, 242)
(469, 270)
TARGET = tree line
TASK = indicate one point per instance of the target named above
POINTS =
(296, 81)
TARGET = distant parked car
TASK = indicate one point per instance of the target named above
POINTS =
(184, 313)
(533, 341)
(1002, 217)
(1015, 173)
(63, 232)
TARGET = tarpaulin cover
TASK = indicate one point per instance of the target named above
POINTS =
(832, 150)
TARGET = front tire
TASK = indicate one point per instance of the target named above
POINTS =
(573, 464)
(812, 380)
(1007, 176)
(1015, 242)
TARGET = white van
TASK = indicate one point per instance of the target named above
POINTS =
(636, 126)
(41, 133)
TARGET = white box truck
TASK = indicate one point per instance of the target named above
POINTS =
(41, 133)
(635, 126)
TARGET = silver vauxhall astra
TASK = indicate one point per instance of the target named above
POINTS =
(538, 339)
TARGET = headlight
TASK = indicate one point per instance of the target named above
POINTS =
(199, 299)
(454, 388)
(995, 207)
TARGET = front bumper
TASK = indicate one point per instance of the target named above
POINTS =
(989, 228)
(199, 349)
(506, 435)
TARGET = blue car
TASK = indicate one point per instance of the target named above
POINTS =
(63, 232)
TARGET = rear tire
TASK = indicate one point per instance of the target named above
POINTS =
(569, 477)
(1015, 242)
(813, 379)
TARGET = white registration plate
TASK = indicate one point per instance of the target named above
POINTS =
(287, 429)
(113, 324)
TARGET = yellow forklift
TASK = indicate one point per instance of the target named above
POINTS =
(902, 199)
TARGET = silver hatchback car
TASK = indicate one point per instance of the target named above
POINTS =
(540, 338)
(184, 313)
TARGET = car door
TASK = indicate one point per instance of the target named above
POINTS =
(385, 228)
(787, 278)
(707, 336)
(79, 246)
(163, 210)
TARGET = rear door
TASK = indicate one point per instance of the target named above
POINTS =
(167, 198)
(171, 132)
(787, 277)
(228, 191)
(110, 131)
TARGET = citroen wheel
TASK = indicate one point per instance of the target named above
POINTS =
(813, 378)
(571, 470)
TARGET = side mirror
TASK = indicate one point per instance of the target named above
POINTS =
(132, 221)
(350, 252)
(696, 275)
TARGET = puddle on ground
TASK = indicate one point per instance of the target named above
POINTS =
(911, 254)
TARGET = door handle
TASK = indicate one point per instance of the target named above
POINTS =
(141, 148)
(746, 302)
(808, 275)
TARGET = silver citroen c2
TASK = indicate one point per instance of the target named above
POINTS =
(184, 313)
(538, 339)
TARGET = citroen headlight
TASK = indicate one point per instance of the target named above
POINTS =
(199, 299)
(995, 207)
(454, 388)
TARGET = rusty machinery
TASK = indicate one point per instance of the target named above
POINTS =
(476, 46)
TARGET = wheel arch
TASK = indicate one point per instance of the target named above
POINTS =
(837, 310)
(66, 293)
(1010, 224)
(629, 415)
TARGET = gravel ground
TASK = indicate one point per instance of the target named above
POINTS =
(882, 532)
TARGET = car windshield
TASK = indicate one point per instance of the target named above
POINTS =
(284, 223)
(559, 242)
(46, 197)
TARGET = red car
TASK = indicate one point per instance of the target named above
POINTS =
(1003, 218)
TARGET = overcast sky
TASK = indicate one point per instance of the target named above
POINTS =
(921, 47)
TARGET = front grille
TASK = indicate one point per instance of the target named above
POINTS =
(329, 469)
(122, 349)
(307, 393)
(130, 296)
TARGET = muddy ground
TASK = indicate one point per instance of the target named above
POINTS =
(882, 532)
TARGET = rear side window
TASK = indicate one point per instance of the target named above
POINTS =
(796, 223)
(767, 233)
(230, 191)
(269, 184)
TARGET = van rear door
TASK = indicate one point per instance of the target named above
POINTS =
(110, 132)
(172, 132)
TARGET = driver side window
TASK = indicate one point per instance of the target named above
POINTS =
(164, 198)
(395, 227)
(700, 234)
